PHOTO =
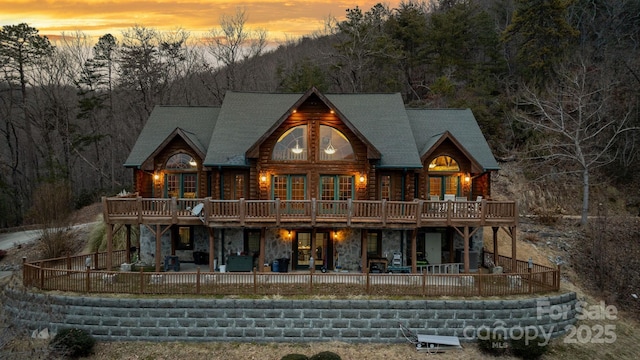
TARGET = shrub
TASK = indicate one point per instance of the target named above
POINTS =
(491, 342)
(326, 355)
(295, 357)
(73, 343)
(528, 348)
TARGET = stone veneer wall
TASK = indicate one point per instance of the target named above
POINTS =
(280, 320)
(278, 245)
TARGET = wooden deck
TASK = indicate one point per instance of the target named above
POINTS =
(309, 213)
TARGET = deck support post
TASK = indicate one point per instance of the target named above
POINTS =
(211, 249)
(158, 247)
(466, 249)
(414, 250)
(263, 241)
(495, 245)
(365, 246)
(128, 249)
(514, 258)
(109, 247)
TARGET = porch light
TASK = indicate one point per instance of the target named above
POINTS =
(263, 178)
(156, 176)
(467, 178)
(297, 149)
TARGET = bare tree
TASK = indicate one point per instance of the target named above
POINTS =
(578, 121)
(233, 42)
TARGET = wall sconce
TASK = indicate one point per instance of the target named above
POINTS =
(263, 177)
(362, 180)
(467, 178)
(335, 235)
(156, 177)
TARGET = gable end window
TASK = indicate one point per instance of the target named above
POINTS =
(333, 145)
(292, 145)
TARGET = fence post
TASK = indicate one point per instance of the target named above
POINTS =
(557, 282)
(479, 276)
(95, 260)
(368, 281)
(141, 280)
(25, 281)
(88, 279)
(68, 262)
(198, 280)
(41, 276)
(255, 280)
(530, 269)
(311, 269)
(424, 282)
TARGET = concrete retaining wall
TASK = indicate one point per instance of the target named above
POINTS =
(276, 320)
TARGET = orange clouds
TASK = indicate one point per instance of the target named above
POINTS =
(98, 17)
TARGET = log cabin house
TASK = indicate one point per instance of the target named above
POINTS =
(333, 182)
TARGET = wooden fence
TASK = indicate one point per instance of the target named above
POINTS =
(71, 274)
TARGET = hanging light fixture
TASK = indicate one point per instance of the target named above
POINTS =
(297, 149)
(330, 149)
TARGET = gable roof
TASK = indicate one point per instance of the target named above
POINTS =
(383, 120)
(398, 136)
(195, 124)
(430, 125)
(243, 119)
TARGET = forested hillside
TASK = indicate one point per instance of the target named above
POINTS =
(554, 85)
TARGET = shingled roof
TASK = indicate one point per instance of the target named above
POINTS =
(400, 135)
(196, 123)
(429, 125)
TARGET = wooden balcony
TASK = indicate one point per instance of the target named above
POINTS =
(309, 213)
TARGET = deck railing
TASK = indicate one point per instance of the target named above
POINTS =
(71, 274)
(346, 212)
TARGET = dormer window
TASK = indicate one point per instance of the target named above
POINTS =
(444, 163)
(333, 145)
(292, 145)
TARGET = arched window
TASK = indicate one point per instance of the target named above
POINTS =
(333, 145)
(181, 178)
(181, 162)
(444, 163)
(292, 145)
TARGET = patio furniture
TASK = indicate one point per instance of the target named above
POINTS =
(240, 263)
(171, 262)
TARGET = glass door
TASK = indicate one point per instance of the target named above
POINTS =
(307, 248)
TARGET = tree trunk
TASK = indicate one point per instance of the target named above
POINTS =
(585, 197)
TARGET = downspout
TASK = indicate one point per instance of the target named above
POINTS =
(222, 240)
(403, 238)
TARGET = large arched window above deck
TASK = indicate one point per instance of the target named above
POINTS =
(292, 145)
(181, 162)
(444, 163)
(334, 145)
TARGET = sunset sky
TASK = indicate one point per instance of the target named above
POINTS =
(281, 18)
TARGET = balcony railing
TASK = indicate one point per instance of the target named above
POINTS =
(350, 213)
